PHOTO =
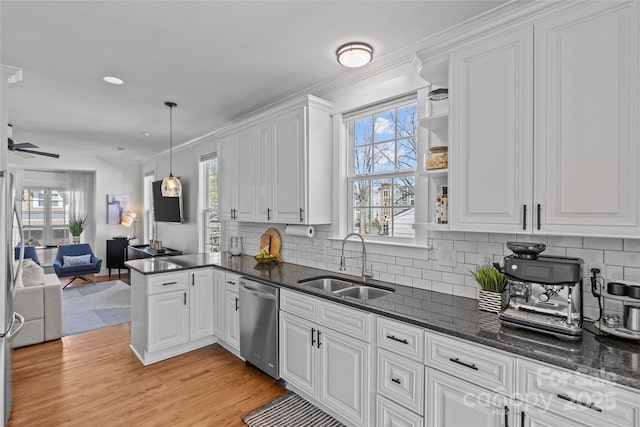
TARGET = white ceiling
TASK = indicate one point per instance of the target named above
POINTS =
(216, 59)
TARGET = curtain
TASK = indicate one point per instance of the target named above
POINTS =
(79, 199)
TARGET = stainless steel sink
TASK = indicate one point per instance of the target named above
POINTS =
(363, 292)
(329, 284)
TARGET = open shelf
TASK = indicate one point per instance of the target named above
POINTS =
(439, 121)
(436, 172)
(437, 227)
(627, 300)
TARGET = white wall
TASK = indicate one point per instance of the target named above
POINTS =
(111, 177)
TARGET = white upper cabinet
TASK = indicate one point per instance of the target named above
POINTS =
(491, 134)
(288, 166)
(282, 163)
(237, 172)
(227, 174)
(544, 126)
(586, 110)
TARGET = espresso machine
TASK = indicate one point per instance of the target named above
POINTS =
(545, 292)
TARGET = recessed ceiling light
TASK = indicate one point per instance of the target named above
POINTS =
(354, 54)
(145, 133)
(121, 148)
(113, 80)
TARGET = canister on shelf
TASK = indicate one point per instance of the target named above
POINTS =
(438, 102)
(437, 158)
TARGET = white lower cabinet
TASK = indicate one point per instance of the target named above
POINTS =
(232, 319)
(452, 402)
(171, 313)
(168, 320)
(530, 416)
(325, 365)
(219, 291)
(201, 303)
(390, 414)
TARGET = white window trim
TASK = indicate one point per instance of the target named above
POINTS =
(203, 185)
(416, 247)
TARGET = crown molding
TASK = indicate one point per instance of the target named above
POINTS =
(12, 74)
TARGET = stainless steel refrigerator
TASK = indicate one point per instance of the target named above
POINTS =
(10, 322)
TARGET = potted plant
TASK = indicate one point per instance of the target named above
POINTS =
(76, 227)
(492, 295)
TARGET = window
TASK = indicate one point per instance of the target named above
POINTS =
(44, 216)
(149, 219)
(382, 174)
(210, 212)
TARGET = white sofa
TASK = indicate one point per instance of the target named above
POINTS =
(38, 298)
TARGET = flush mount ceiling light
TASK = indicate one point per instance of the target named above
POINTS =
(113, 80)
(354, 54)
(171, 186)
(145, 133)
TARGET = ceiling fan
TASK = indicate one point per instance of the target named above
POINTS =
(27, 147)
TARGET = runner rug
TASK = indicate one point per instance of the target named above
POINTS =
(289, 410)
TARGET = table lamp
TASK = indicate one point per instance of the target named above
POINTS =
(129, 219)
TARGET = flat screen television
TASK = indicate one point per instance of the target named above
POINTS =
(166, 209)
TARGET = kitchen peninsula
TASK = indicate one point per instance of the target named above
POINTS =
(443, 332)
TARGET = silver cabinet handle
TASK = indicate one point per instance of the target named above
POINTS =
(169, 283)
(301, 218)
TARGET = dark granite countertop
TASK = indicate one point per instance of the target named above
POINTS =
(610, 358)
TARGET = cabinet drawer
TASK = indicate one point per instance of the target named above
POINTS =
(232, 282)
(401, 380)
(167, 282)
(402, 338)
(299, 304)
(484, 367)
(584, 398)
(347, 320)
(390, 414)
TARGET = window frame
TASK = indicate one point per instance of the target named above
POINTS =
(205, 230)
(47, 205)
(348, 121)
(148, 213)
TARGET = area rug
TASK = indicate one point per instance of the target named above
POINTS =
(89, 307)
(289, 410)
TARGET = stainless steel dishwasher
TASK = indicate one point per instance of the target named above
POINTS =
(259, 305)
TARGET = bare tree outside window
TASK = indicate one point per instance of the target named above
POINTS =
(382, 181)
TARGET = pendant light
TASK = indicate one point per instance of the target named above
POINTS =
(171, 186)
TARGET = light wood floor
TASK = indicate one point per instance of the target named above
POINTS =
(93, 379)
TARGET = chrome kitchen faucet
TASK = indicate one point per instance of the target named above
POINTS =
(343, 267)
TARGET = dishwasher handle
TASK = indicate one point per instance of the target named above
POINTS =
(258, 293)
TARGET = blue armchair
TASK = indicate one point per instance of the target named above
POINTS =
(29, 252)
(76, 270)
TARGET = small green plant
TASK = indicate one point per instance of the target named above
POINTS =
(490, 279)
(77, 225)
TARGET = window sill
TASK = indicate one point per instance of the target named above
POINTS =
(375, 246)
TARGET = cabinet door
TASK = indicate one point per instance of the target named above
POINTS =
(201, 304)
(264, 172)
(535, 417)
(344, 375)
(232, 317)
(219, 303)
(288, 169)
(455, 403)
(586, 141)
(491, 134)
(227, 176)
(298, 353)
(245, 170)
(168, 320)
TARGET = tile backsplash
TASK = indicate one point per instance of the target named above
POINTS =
(447, 266)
